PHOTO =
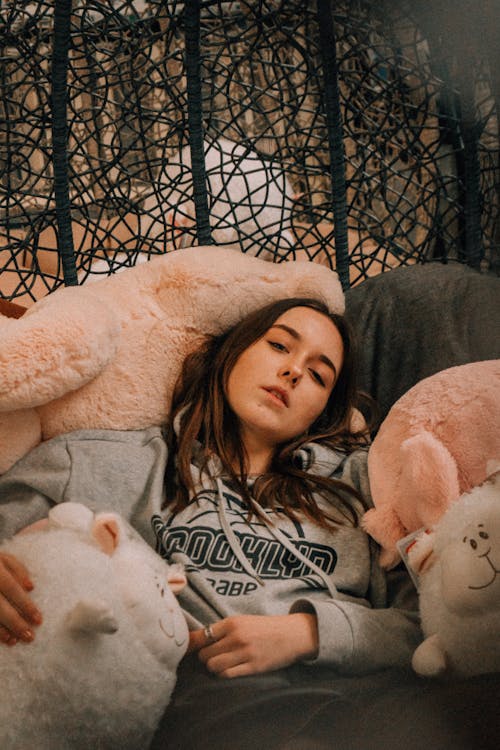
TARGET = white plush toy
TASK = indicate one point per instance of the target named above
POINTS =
(251, 200)
(103, 663)
(459, 586)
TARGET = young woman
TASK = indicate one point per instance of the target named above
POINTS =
(267, 484)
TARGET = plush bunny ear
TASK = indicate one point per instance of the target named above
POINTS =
(176, 578)
(429, 475)
(106, 532)
(71, 516)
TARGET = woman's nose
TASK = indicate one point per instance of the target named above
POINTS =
(292, 372)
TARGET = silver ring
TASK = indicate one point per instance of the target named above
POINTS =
(209, 634)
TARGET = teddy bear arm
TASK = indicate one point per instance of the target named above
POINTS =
(221, 285)
(20, 431)
(429, 658)
(59, 345)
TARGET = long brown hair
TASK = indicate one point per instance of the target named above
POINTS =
(200, 403)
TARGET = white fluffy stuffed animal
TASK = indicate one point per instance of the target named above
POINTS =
(250, 195)
(103, 663)
(459, 586)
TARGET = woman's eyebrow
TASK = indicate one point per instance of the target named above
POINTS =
(296, 335)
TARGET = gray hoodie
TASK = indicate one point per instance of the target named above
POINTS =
(366, 618)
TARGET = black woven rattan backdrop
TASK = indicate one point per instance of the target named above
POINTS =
(362, 135)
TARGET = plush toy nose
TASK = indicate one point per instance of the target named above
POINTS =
(176, 578)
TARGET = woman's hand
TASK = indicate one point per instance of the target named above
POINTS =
(17, 612)
(249, 644)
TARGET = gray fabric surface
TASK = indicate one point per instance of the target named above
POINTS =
(414, 321)
(316, 709)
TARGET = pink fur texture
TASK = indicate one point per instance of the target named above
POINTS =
(107, 354)
(433, 446)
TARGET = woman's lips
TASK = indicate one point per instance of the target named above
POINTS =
(278, 395)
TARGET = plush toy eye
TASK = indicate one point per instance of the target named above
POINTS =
(160, 588)
(484, 535)
(473, 543)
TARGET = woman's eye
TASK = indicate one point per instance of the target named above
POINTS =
(278, 346)
(317, 377)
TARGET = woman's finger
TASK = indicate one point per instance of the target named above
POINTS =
(205, 637)
(15, 596)
(18, 612)
(239, 670)
(196, 640)
(13, 622)
(18, 570)
(224, 661)
(7, 637)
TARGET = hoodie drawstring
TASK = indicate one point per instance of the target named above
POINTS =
(277, 534)
(283, 539)
(231, 536)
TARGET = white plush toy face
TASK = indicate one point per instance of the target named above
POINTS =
(148, 585)
(470, 566)
(458, 562)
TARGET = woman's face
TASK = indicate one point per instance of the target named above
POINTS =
(281, 383)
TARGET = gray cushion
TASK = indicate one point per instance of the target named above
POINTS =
(416, 320)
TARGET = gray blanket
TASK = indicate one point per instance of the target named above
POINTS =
(416, 320)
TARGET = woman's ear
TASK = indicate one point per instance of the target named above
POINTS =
(106, 532)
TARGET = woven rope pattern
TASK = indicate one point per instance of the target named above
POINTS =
(255, 119)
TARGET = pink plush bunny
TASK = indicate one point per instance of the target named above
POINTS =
(433, 446)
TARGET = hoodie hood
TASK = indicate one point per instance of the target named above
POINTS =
(318, 459)
(311, 457)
